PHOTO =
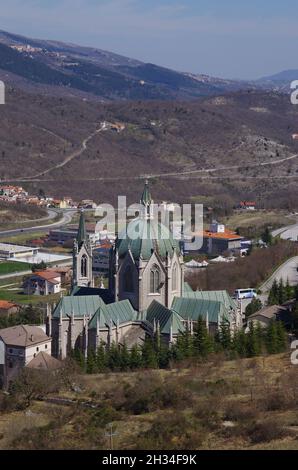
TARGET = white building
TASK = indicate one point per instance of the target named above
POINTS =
(19, 345)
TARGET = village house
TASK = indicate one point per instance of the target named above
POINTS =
(8, 308)
(43, 283)
(271, 313)
(216, 241)
(19, 345)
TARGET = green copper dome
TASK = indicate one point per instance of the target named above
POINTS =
(143, 236)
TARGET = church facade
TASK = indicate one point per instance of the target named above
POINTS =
(146, 295)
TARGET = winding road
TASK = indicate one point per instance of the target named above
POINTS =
(66, 219)
(287, 271)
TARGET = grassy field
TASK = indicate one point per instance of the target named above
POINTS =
(22, 238)
(253, 223)
(10, 267)
(241, 404)
(19, 297)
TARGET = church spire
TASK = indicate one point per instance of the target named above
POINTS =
(147, 202)
(81, 237)
(146, 196)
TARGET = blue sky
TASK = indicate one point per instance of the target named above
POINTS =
(225, 38)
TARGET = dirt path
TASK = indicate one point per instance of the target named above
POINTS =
(68, 159)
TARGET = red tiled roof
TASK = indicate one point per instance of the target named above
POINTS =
(5, 305)
(47, 275)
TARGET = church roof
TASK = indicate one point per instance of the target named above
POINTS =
(143, 236)
(79, 306)
(193, 309)
(165, 317)
(186, 287)
(121, 312)
(105, 294)
(217, 295)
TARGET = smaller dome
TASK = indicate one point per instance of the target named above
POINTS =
(143, 236)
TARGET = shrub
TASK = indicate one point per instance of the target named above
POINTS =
(266, 432)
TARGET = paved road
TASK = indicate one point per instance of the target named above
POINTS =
(66, 219)
(287, 271)
(287, 233)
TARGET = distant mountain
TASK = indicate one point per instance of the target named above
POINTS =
(279, 82)
(69, 69)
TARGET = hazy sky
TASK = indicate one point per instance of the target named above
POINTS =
(226, 38)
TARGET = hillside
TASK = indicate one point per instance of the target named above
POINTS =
(246, 404)
(225, 148)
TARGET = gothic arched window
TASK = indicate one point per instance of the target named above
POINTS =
(128, 279)
(174, 277)
(154, 280)
(84, 266)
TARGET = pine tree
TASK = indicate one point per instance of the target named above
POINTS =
(295, 320)
(149, 354)
(79, 358)
(114, 357)
(202, 341)
(281, 337)
(281, 292)
(224, 336)
(273, 298)
(254, 306)
(135, 359)
(272, 338)
(288, 291)
(185, 344)
(239, 343)
(124, 357)
(91, 366)
(267, 237)
(253, 344)
(164, 356)
(101, 359)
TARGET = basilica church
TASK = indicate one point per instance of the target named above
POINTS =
(146, 294)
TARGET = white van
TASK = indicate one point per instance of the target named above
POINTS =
(245, 294)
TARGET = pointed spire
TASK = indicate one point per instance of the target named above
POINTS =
(146, 196)
(81, 237)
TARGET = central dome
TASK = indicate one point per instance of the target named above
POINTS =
(143, 236)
